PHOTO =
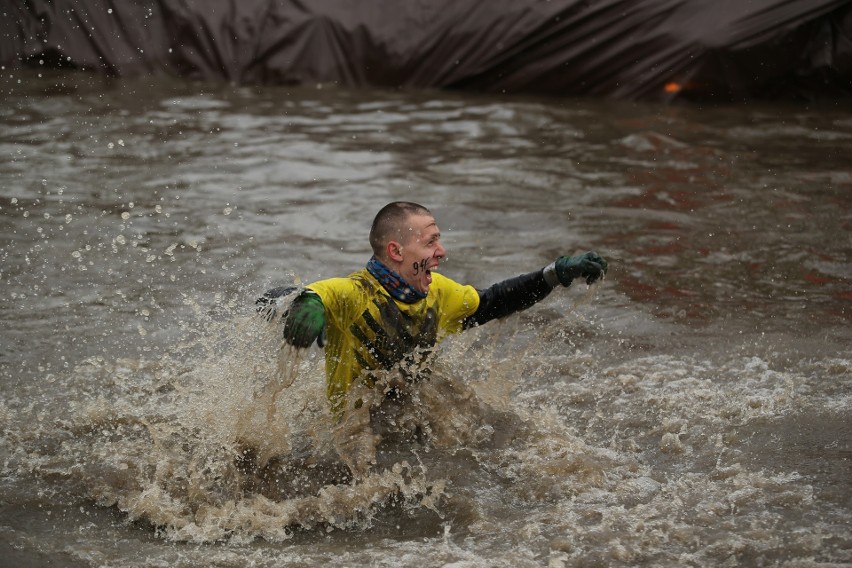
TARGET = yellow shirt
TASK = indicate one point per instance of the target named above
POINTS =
(368, 329)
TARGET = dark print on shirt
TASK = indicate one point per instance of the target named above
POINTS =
(396, 337)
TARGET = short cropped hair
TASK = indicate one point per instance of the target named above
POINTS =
(389, 224)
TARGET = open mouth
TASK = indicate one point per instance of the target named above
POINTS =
(427, 274)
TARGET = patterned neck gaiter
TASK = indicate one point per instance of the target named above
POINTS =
(393, 282)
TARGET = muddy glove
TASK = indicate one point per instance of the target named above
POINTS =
(267, 305)
(565, 269)
(304, 321)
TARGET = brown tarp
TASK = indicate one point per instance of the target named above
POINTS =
(620, 49)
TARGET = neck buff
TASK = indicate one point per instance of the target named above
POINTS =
(393, 282)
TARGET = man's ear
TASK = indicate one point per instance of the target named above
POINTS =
(394, 251)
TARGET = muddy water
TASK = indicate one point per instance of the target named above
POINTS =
(692, 410)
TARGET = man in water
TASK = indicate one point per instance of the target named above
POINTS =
(381, 322)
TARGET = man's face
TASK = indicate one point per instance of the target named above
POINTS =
(421, 251)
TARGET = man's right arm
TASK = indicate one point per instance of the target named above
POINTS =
(303, 320)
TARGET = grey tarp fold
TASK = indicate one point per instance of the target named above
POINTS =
(620, 49)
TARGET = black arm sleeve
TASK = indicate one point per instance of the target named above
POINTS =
(508, 297)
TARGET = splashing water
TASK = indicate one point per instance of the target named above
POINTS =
(691, 410)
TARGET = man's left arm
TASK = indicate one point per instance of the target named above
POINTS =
(521, 292)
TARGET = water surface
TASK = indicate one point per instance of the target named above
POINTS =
(692, 410)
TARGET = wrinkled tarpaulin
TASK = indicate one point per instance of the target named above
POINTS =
(621, 49)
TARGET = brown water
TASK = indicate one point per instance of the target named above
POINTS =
(693, 410)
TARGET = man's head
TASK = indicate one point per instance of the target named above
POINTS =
(405, 237)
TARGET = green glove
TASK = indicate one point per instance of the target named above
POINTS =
(304, 321)
(565, 269)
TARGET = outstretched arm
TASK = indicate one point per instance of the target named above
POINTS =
(508, 297)
(303, 319)
(521, 292)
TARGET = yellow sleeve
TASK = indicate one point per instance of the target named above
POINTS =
(341, 304)
(456, 302)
